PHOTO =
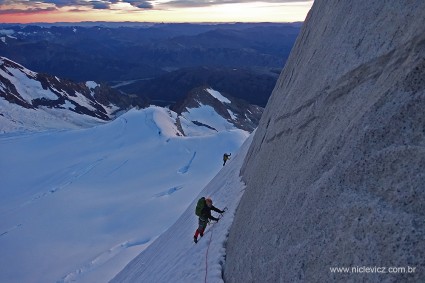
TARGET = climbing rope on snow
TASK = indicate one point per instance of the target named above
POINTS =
(209, 243)
(206, 257)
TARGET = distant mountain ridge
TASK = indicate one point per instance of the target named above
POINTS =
(254, 86)
(139, 55)
(238, 112)
(125, 53)
(34, 101)
(26, 93)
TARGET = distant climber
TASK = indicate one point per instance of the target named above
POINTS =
(203, 210)
(226, 157)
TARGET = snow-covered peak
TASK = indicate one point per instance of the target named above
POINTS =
(218, 95)
(35, 101)
(9, 65)
(223, 112)
(92, 85)
(161, 121)
(6, 32)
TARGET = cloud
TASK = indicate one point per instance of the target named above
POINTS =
(140, 4)
(26, 11)
(34, 6)
(63, 3)
(100, 5)
(75, 4)
(205, 3)
(30, 4)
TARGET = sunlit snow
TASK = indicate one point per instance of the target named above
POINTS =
(174, 257)
(27, 87)
(218, 95)
(78, 205)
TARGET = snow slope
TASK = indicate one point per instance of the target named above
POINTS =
(78, 205)
(35, 101)
(174, 257)
(18, 119)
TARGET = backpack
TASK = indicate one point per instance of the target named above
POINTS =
(199, 206)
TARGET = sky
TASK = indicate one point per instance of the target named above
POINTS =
(27, 11)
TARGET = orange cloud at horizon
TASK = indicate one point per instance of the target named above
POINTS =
(248, 12)
(25, 18)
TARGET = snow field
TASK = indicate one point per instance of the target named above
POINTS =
(174, 257)
(78, 205)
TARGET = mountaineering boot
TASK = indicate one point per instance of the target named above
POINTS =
(195, 239)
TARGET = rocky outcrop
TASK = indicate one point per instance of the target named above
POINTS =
(24, 93)
(335, 174)
(236, 111)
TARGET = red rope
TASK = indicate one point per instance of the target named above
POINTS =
(206, 258)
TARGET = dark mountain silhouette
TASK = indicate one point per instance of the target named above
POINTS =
(131, 53)
(27, 94)
(31, 96)
(236, 111)
(254, 86)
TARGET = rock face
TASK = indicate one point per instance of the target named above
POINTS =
(236, 111)
(335, 174)
(31, 90)
(27, 96)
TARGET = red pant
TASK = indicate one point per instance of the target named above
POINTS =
(197, 232)
(201, 227)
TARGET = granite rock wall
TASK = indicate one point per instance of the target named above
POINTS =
(336, 172)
